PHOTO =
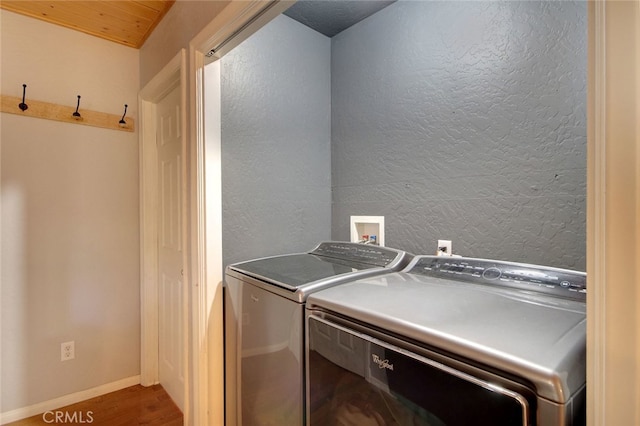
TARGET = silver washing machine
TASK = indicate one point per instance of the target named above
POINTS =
(449, 341)
(264, 325)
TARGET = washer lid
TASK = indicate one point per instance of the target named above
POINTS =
(538, 337)
(295, 270)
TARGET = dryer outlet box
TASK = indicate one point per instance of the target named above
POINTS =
(444, 248)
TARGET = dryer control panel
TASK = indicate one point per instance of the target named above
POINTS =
(556, 281)
(363, 253)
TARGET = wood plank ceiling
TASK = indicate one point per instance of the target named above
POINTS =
(125, 22)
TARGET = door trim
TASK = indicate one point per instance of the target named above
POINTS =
(172, 75)
(613, 209)
(230, 27)
(596, 220)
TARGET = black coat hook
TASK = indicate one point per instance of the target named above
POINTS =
(22, 105)
(123, 123)
(77, 114)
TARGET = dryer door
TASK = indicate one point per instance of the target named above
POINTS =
(353, 378)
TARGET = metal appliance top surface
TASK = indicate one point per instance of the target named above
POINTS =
(537, 335)
(330, 262)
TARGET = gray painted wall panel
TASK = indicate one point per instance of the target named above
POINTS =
(276, 141)
(465, 121)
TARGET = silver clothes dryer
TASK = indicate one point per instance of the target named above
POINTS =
(449, 341)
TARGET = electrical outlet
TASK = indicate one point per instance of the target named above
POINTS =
(444, 248)
(67, 351)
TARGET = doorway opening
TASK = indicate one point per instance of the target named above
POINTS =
(164, 283)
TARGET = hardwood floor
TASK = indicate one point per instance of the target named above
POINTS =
(136, 405)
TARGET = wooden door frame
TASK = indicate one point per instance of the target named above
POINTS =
(613, 213)
(235, 23)
(170, 77)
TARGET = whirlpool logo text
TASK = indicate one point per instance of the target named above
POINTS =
(382, 363)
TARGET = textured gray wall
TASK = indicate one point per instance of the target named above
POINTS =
(465, 121)
(276, 142)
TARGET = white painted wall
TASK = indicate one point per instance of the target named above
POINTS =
(70, 262)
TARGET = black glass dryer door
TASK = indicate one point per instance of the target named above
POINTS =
(357, 380)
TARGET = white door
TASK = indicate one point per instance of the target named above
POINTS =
(170, 255)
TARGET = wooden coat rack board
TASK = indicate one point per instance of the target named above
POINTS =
(56, 112)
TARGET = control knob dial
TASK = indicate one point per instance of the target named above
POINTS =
(492, 273)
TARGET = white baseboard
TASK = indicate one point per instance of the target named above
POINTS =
(63, 401)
